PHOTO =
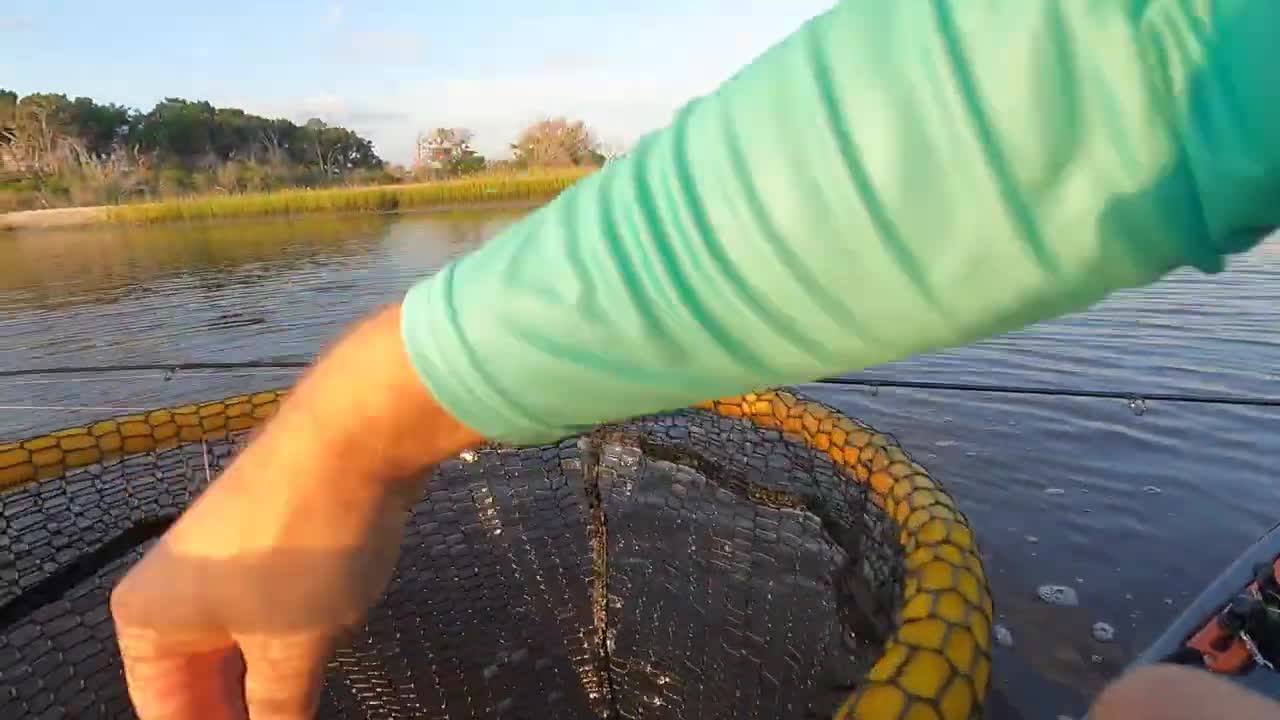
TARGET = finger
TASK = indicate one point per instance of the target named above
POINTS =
(185, 686)
(1170, 692)
(175, 667)
(283, 675)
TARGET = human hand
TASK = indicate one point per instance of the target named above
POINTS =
(235, 612)
(237, 607)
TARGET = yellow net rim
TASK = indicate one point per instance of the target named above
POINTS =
(936, 664)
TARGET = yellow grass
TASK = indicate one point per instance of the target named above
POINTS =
(382, 198)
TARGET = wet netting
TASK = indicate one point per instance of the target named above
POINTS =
(755, 557)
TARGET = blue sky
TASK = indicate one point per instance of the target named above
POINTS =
(392, 68)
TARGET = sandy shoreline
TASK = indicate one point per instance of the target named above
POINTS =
(53, 218)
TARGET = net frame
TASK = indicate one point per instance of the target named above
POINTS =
(936, 662)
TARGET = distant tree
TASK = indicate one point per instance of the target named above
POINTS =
(100, 128)
(557, 142)
(9, 160)
(43, 113)
(180, 131)
(50, 132)
(8, 108)
(42, 137)
(55, 151)
(470, 163)
(273, 140)
(234, 134)
(334, 150)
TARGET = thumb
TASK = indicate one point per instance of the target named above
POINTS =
(283, 675)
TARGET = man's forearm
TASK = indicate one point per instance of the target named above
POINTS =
(360, 415)
(893, 178)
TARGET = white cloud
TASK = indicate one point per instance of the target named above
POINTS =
(620, 103)
(621, 97)
(621, 106)
(373, 122)
(337, 110)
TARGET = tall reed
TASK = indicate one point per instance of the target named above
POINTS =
(381, 198)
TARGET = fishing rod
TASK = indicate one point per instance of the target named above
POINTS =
(172, 368)
(1209, 399)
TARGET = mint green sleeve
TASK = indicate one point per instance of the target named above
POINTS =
(896, 176)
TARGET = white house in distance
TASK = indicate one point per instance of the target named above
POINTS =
(436, 149)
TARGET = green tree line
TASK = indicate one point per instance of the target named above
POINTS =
(56, 151)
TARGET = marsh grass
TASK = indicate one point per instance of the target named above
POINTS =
(382, 198)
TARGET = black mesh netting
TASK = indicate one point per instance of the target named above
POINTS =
(683, 566)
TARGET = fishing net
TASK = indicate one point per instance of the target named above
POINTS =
(760, 557)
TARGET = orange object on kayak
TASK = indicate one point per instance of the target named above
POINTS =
(1223, 648)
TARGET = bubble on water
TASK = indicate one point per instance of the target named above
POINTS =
(1054, 491)
(971, 453)
(946, 443)
(1033, 539)
(1004, 638)
(1087, 510)
(874, 390)
(1103, 632)
(1168, 601)
(1084, 491)
(1060, 595)
(1138, 406)
(1152, 490)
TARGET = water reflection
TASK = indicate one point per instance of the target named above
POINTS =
(57, 268)
(276, 289)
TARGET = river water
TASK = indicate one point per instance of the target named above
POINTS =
(1135, 512)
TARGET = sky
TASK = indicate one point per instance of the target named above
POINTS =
(391, 69)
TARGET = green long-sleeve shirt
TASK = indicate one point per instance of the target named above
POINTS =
(897, 176)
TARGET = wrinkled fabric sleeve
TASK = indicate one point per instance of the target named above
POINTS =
(892, 178)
